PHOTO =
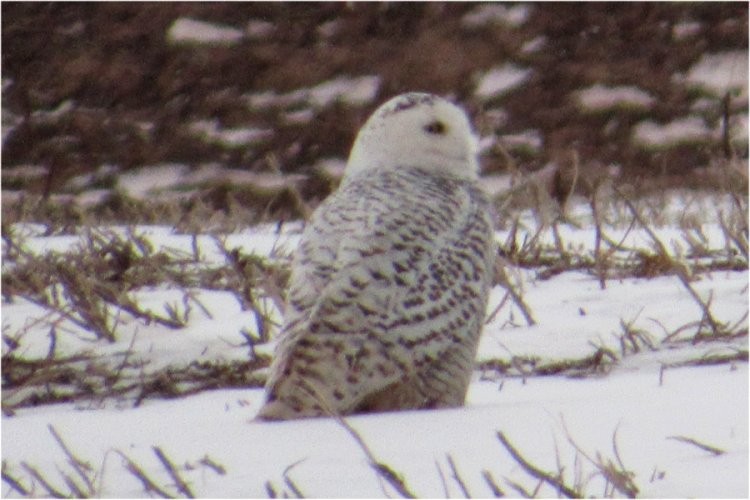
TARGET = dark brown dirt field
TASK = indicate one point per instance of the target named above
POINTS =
(87, 85)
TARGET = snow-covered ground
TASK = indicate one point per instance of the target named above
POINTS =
(634, 410)
(633, 401)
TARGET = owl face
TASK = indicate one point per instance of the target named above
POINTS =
(416, 130)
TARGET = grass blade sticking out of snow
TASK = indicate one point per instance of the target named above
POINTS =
(457, 477)
(554, 481)
(290, 483)
(80, 467)
(79, 480)
(634, 339)
(711, 449)
(44, 482)
(497, 492)
(82, 481)
(383, 470)
(149, 485)
(92, 291)
(717, 329)
(502, 279)
(256, 280)
(736, 234)
(600, 361)
(179, 482)
(618, 478)
(88, 286)
(13, 482)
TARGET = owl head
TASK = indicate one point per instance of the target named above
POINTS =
(416, 130)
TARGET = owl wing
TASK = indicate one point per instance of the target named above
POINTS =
(375, 278)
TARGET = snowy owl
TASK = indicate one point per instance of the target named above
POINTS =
(389, 284)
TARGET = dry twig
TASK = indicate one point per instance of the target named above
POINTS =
(457, 477)
(536, 472)
(182, 486)
(383, 470)
(711, 449)
(149, 484)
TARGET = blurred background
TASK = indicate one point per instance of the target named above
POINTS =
(111, 106)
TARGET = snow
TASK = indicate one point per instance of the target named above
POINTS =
(54, 115)
(602, 98)
(102, 174)
(652, 135)
(24, 172)
(586, 318)
(496, 184)
(720, 73)
(633, 410)
(534, 45)
(258, 29)
(536, 415)
(489, 14)
(265, 180)
(191, 31)
(739, 129)
(685, 30)
(529, 140)
(496, 118)
(299, 117)
(356, 91)
(144, 182)
(270, 99)
(329, 29)
(240, 137)
(501, 80)
(333, 167)
(138, 183)
(5, 83)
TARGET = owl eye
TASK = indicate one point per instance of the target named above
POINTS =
(437, 128)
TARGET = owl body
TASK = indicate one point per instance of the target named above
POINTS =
(388, 289)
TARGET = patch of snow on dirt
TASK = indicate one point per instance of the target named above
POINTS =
(258, 29)
(270, 99)
(329, 29)
(738, 126)
(140, 182)
(24, 172)
(211, 131)
(528, 140)
(686, 29)
(721, 72)
(53, 115)
(356, 91)
(298, 117)
(263, 180)
(534, 45)
(602, 98)
(104, 174)
(487, 14)
(191, 31)
(651, 135)
(501, 80)
(333, 167)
